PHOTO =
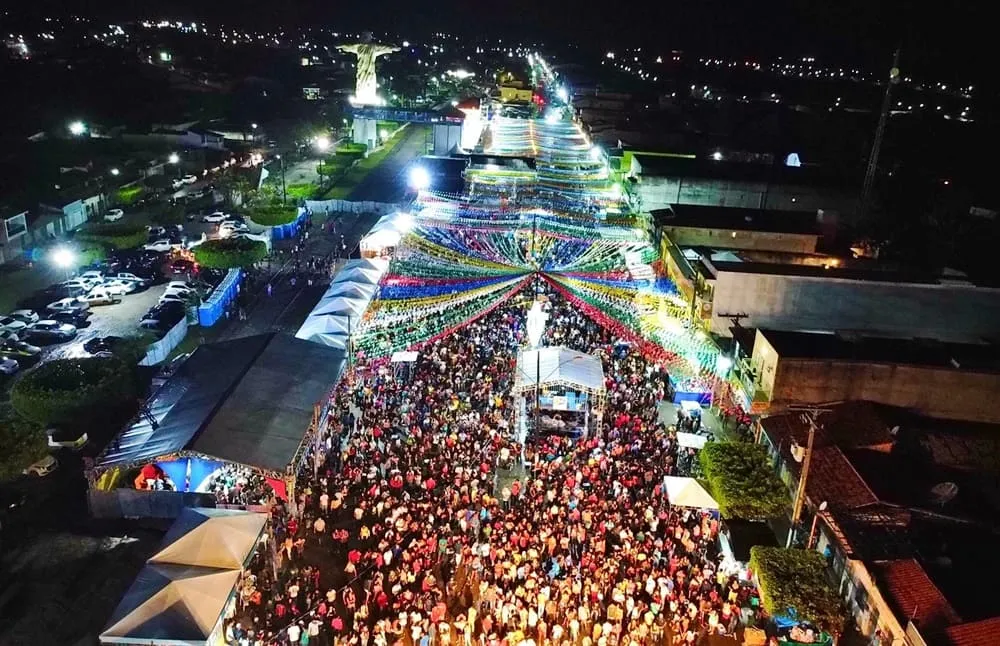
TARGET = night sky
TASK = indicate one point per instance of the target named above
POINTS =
(948, 38)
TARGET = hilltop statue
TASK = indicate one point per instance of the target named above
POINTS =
(365, 92)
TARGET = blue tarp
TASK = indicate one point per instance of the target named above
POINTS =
(291, 229)
(212, 310)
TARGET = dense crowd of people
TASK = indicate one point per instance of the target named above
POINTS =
(420, 520)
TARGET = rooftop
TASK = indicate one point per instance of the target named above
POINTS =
(971, 357)
(912, 594)
(719, 217)
(975, 633)
(706, 168)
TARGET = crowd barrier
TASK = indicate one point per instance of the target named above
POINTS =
(158, 351)
(348, 206)
(290, 230)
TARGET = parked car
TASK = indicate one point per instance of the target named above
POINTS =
(19, 349)
(101, 296)
(28, 316)
(7, 336)
(130, 277)
(12, 324)
(76, 304)
(43, 467)
(181, 266)
(189, 179)
(189, 285)
(162, 245)
(178, 292)
(76, 319)
(114, 215)
(227, 229)
(119, 287)
(101, 344)
(218, 216)
(177, 183)
(174, 298)
(92, 275)
(8, 366)
(52, 330)
(165, 310)
(84, 285)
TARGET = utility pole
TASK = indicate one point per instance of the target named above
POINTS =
(809, 415)
(866, 189)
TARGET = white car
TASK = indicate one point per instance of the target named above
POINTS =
(161, 245)
(43, 467)
(182, 284)
(7, 336)
(101, 296)
(82, 284)
(120, 287)
(8, 366)
(114, 215)
(178, 292)
(93, 274)
(227, 229)
(189, 179)
(77, 304)
(11, 324)
(28, 316)
(177, 183)
(53, 330)
(173, 298)
(131, 278)
(218, 216)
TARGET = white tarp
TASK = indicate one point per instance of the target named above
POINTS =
(686, 492)
(691, 440)
(342, 307)
(388, 231)
(559, 364)
(404, 357)
(180, 595)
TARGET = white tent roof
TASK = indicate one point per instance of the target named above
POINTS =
(559, 364)
(171, 604)
(404, 357)
(218, 538)
(358, 275)
(381, 239)
(181, 593)
(691, 440)
(686, 492)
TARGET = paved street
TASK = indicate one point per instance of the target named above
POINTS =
(388, 181)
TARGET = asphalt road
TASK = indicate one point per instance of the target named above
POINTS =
(387, 182)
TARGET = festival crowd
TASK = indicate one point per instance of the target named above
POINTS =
(420, 520)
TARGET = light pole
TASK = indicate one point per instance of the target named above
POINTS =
(809, 416)
(284, 196)
(63, 257)
(812, 532)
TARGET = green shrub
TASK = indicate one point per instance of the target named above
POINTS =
(128, 195)
(794, 579)
(23, 443)
(229, 252)
(742, 481)
(65, 391)
(117, 235)
(300, 191)
(272, 215)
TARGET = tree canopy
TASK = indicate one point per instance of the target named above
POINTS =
(742, 481)
(795, 581)
(23, 443)
(65, 391)
(116, 235)
(227, 253)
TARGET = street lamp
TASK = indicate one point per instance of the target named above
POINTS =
(77, 128)
(322, 143)
(174, 158)
(420, 179)
(115, 172)
(64, 258)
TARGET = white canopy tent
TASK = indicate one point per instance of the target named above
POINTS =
(691, 440)
(182, 593)
(559, 366)
(687, 492)
(339, 311)
(388, 232)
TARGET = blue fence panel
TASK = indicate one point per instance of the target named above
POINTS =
(290, 230)
(212, 310)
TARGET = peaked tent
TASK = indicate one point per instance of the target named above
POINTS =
(218, 538)
(559, 366)
(171, 604)
(687, 492)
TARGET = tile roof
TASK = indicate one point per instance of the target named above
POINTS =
(912, 594)
(975, 633)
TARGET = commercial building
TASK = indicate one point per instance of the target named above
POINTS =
(776, 369)
(808, 292)
(666, 179)
(905, 509)
(688, 225)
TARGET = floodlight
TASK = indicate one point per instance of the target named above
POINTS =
(420, 179)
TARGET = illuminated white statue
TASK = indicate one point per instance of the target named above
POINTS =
(365, 92)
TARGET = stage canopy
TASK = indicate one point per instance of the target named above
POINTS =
(686, 492)
(559, 366)
(181, 594)
(247, 401)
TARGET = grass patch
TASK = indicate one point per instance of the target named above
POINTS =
(300, 191)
